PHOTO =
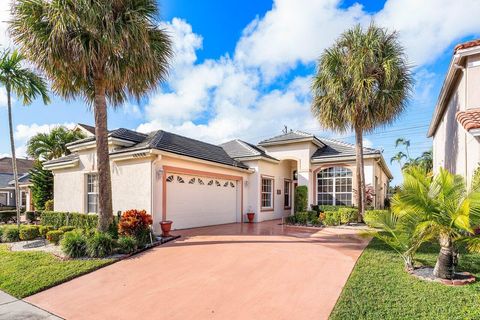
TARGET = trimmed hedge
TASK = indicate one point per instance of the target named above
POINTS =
(304, 218)
(43, 230)
(28, 233)
(10, 234)
(348, 215)
(54, 236)
(301, 198)
(332, 218)
(127, 244)
(76, 220)
(67, 228)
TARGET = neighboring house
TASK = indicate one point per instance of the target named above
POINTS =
(7, 184)
(455, 126)
(194, 183)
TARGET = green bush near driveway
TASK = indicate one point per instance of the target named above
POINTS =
(348, 215)
(332, 218)
(100, 245)
(127, 244)
(74, 244)
(379, 288)
(54, 236)
(28, 233)
(25, 273)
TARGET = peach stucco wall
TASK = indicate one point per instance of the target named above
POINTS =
(454, 148)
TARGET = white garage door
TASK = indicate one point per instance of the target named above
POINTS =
(194, 201)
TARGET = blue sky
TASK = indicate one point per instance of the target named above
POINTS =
(243, 69)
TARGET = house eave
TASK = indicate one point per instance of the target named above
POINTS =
(62, 165)
(92, 144)
(445, 90)
(474, 132)
(314, 140)
(253, 158)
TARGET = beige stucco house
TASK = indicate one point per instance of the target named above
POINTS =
(194, 183)
(455, 126)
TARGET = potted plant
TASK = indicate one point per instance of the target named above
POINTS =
(250, 216)
(166, 227)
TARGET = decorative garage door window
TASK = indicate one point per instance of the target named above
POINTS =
(201, 181)
(334, 186)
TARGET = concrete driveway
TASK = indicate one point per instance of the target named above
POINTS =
(235, 271)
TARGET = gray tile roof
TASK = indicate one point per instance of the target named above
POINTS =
(292, 135)
(174, 143)
(5, 178)
(121, 133)
(334, 148)
(241, 149)
(87, 127)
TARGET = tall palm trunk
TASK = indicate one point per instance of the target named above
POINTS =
(14, 158)
(103, 162)
(445, 266)
(360, 172)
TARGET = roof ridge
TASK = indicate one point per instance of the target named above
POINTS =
(247, 145)
(303, 133)
(348, 144)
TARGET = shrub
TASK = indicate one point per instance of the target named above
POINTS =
(301, 198)
(348, 215)
(31, 216)
(321, 216)
(74, 244)
(135, 223)
(291, 219)
(77, 220)
(332, 218)
(10, 234)
(66, 228)
(29, 233)
(54, 236)
(127, 244)
(331, 208)
(43, 230)
(1, 233)
(306, 217)
(100, 245)
(371, 216)
(49, 205)
(7, 216)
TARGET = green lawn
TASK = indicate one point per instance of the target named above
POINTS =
(378, 288)
(25, 273)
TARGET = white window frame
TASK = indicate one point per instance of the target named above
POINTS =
(88, 193)
(333, 179)
(270, 193)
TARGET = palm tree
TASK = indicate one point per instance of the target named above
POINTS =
(444, 209)
(362, 82)
(398, 157)
(26, 85)
(403, 142)
(103, 51)
(425, 160)
(48, 146)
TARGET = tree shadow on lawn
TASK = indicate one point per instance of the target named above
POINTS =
(427, 256)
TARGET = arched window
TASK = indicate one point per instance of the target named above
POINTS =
(334, 186)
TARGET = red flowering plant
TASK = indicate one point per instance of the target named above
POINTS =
(135, 223)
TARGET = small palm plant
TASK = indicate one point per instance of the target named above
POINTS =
(438, 207)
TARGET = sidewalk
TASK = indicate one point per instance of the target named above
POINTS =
(12, 308)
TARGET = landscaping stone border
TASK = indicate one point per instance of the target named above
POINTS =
(460, 278)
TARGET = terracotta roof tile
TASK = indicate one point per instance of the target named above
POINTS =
(469, 119)
(466, 45)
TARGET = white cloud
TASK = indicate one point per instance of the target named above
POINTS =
(4, 17)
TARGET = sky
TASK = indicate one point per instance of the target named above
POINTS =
(243, 69)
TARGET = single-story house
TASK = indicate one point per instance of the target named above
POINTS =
(195, 184)
(7, 183)
(455, 126)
